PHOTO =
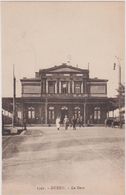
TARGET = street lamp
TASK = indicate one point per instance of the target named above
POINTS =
(119, 84)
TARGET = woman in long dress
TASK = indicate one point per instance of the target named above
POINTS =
(58, 123)
(66, 122)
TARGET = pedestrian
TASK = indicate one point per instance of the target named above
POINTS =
(66, 122)
(88, 122)
(106, 122)
(74, 122)
(24, 124)
(80, 121)
(58, 123)
(77, 122)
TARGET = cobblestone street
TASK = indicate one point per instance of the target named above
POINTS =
(88, 161)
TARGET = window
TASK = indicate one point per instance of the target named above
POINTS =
(77, 111)
(19, 114)
(77, 85)
(31, 113)
(64, 108)
(79, 75)
(64, 87)
(51, 113)
(97, 113)
(48, 74)
(51, 85)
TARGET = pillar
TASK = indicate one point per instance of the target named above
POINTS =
(82, 87)
(56, 87)
(68, 87)
(85, 114)
(107, 114)
(46, 114)
(41, 115)
(46, 86)
(22, 113)
(59, 86)
(72, 86)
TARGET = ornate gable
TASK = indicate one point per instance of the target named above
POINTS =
(64, 68)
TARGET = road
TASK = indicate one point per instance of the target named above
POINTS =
(87, 161)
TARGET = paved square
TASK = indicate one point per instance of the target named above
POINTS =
(88, 161)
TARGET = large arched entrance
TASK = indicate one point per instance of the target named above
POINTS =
(64, 111)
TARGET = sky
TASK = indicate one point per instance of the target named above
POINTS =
(37, 35)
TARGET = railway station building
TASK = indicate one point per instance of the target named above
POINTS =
(63, 90)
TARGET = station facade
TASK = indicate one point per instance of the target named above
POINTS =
(63, 90)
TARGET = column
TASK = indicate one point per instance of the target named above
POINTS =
(108, 114)
(46, 114)
(46, 86)
(72, 86)
(68, 87)
(22, 112)
(56, 87)
(59, 86)
(41, 87)
(84, 113)
(85, 91)
(82, 87)
(41, 116)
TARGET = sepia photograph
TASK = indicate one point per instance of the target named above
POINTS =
(63, 97)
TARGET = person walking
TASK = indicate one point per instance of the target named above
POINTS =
(25, 123)
(66, 122)
(74, 122)
(58, 123)
(80, 121)
(106, 122)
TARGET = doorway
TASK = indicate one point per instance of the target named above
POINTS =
(64, 111)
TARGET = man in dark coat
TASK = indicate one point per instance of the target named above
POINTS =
(74, 122)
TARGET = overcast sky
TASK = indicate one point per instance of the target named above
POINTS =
(37, 35)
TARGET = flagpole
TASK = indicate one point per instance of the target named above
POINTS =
(14, 95)
(119, 92)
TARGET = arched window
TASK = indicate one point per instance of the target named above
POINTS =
(97, 113)
(77, 85)
(51, 86)
(31, 113)
(64, 112)
(51, 113)
(77, 111)
(64, 87)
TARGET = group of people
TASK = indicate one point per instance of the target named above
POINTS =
(74, 122)
(113, 122)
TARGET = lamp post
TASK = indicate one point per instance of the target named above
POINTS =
(14, 129)
(14, 98)
(119, 84)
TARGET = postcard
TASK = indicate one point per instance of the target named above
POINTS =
(63, 97)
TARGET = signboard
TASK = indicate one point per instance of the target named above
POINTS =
(97, 89)
(31, 89)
